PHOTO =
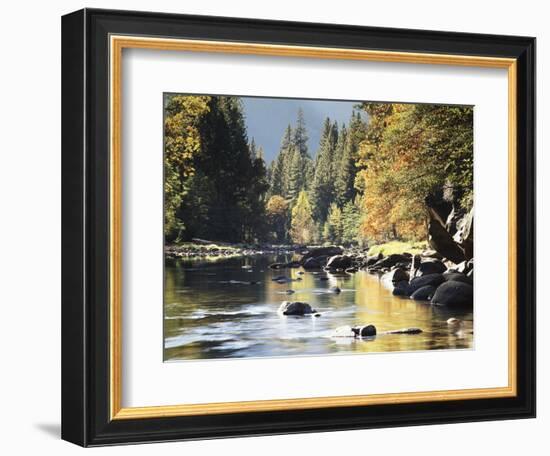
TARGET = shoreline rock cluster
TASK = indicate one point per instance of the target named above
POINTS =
(213, 250)
(424, 277)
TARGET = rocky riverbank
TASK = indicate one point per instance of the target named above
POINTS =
(215, 251)
(423, 277)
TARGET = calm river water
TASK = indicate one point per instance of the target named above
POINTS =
(210, 313)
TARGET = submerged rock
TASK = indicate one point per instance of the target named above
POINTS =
(335, 290)
(405, 331)
(401, 289)
(295, 308)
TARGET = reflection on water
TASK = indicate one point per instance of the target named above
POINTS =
(213, 311)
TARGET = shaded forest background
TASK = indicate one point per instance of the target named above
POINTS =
(369, 180)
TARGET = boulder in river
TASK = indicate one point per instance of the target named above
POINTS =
(454, 294)
(424, 293)
(295, 308)
(364, 331)
(338, 262)
(430, 279)
(335, 290)
(322, 251)
(401, 289)
(458, 277)
(311, 263)
(371, 260)
(391, 261)
(396, 275)
(430, 266)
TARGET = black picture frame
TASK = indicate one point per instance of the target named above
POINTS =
(85, 225)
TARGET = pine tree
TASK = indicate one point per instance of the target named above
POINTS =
(253, 150)
(351, 221)
(322, 187)
(295, 173)
(333, 228)
(300, 134)
(346, 168)
(302, 227)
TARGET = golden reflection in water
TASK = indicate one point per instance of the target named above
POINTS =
(224, 310)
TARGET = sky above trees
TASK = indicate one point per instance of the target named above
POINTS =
(267, 118)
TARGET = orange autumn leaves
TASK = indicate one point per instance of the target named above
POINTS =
(409, 152)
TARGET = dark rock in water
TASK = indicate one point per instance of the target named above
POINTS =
(279, 277)
(365, 331)
(397, 275)
(431, 266)
(401, 289)
(291, 264)
(289, 291)
(454, 294)
(430, 279)
(311, 263)
(424, 293)
(322, 260)
(457, 277)
(295, 308)
(317, 315)
(323, 278)
(339, 262)
(390, 261)
(335, 290)
(322, 251)
(300, 272)
(373, 259)
(405, 331)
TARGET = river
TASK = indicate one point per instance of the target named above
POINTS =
(212, 311)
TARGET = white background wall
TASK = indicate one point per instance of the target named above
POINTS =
(30, 193)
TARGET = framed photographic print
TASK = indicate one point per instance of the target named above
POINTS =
(268, 227)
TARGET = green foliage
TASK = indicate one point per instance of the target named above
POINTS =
(302, 229)
(368, 181)
(411, 153)
(215, 180)
(351, 221)
(182, 143)
(322, 187)
(333, 228)
(278, 217)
